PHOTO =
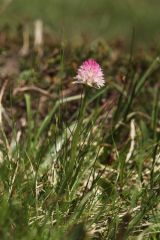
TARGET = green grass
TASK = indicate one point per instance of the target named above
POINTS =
(94, 19)
(81, 170)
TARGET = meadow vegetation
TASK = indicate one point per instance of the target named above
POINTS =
(77, 162)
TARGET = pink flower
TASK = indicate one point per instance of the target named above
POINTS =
(90, 73)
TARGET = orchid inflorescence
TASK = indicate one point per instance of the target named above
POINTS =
(91, 74)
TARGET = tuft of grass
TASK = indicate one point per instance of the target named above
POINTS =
(81, 165)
